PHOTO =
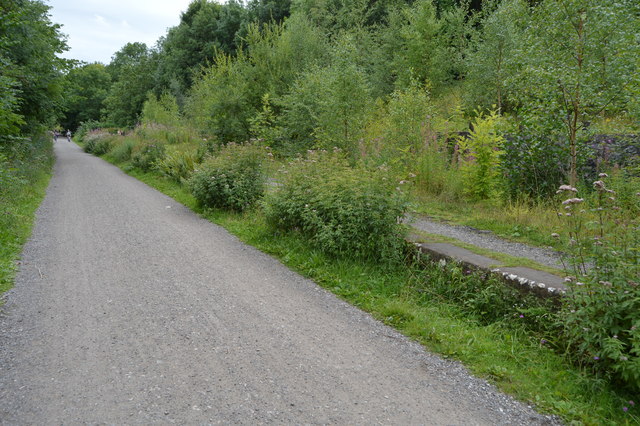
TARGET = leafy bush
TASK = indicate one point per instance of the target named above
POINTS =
(147, 155)
(602, 311)
(232, 179)
(344, 211)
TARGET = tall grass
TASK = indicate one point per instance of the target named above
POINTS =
(25, 169)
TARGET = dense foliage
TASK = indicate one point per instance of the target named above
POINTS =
(232, 179)
(30, 71)
(345, 211)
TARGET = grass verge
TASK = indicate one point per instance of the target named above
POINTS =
(503, 352)
(18, 202)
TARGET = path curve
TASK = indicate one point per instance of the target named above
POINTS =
(128, 308)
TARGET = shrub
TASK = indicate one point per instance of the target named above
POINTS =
(344, 211)
(601, 316)
(147, 155)
(232, 179)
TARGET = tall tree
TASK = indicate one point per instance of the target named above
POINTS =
(206, 28)
(561, 59)
(87, 86)
(132, 69)
(31, 71)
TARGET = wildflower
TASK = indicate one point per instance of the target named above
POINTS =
(624, 358)
(555, 235)
(572, 201)
(412, 175)
(596, 358)
(603, 175)
(579, 283)
(599, 185)
(521, 316)
(543, 341)
(631, 403)
(566, 188)
(625, 409)
(605, 283)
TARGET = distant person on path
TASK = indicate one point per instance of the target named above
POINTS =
(69, 135)
(55, 135)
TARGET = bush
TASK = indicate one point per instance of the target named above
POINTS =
(344, 211)
(232, 179)
(601, 316)
(146, 156)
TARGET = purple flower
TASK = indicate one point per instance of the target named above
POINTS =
(625, 409)
(543, 341)
(521, 316)
(632, 403)
(596, 358)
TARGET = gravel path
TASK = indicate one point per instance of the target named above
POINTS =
(128, 308)
(488, 240)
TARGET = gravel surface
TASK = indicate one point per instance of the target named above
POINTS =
(488, 240)
(128, 308)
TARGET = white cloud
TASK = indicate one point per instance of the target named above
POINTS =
(97, 28)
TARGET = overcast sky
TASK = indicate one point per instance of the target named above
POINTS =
(96, 29)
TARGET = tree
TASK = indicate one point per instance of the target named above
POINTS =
(87, 87)
(205, 29)
(560, 64)
(132, 69)
(31, 74)
(491, 61)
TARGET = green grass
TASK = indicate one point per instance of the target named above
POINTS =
(18, 204)
(502, 352)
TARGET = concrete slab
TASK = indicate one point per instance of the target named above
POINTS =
(540, 282)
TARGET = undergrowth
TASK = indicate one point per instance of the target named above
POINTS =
(25, 169)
